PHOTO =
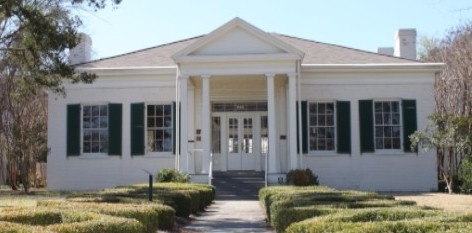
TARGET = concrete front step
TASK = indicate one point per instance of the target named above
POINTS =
(238, 185)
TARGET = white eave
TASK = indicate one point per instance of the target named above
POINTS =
(124, 71)
(394, 67)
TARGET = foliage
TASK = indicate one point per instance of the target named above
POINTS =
(451, 137)
(35, 37)
(321, 209)
(451, 129)
(300, 177)
(172, 175)
(466, 175)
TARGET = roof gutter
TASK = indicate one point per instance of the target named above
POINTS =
(396, 67)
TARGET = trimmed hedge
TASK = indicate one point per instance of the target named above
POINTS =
(121, 209)
(378, 227)
(152, 216)
(106, 224)
(321, 209)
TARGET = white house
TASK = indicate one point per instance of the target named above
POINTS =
(248, 100)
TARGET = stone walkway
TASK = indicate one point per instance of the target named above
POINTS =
(230, 216)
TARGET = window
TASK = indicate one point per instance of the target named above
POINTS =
(325, 126)
(321, 126)
(387, 125)
(159, 128)
(95, 128)
(264, 135)
(216, 135)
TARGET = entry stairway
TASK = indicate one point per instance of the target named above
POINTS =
(238, 185)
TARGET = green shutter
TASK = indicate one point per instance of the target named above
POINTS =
(366, 125)
(174, 128)
(114, 129)
(409, 122)
(298, 132)
(343, 124)
(137, 129)
(304, 127)
(73, 130)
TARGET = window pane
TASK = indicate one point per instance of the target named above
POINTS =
(104, 122)
(322, 132)
(378, 118)
(216, 135)
(159, 110)
(87, 111)
(151, 122)
(95, 122)
(167, 122)
(151, 110)
(103, 110)
(313, 120)
(167, 110)
(159, 122)
(387, 125)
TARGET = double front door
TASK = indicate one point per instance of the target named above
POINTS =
(241, 143)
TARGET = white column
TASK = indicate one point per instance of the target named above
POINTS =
(184, 159)
(206, 120)
(292, 121)
(273, 168)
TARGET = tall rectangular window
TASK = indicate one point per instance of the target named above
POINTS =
(159, 128)
(95, 128)
(321, 126)
(387, 125)
(216, 135)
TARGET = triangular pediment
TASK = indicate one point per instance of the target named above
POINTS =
(237, 38)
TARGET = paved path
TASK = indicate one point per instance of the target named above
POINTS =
(230, 216)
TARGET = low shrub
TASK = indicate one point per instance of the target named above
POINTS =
(311, 226)
(106, 224)
(29, 216)
(172, 175)
(300, 177)
(9, 227)
(152, 216)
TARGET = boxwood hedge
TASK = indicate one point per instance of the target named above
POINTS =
(321, 209)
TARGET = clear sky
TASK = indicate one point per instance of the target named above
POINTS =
(362, 24)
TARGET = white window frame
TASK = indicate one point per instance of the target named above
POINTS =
(151, 153)
(393, 150)
(92, 154)
(322, 152)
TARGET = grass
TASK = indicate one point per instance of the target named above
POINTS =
(455, 203)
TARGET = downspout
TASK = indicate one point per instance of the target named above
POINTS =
(177, 117)
(299, 125)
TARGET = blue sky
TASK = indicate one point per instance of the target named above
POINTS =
(362, 24)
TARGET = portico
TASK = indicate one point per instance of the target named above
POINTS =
(263, 69)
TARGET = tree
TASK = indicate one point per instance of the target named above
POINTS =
(451, 130)
(35, 36)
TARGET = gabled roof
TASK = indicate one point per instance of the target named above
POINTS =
(237, 38)
(315, 53)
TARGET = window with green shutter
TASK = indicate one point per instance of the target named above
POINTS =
(386, 124)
